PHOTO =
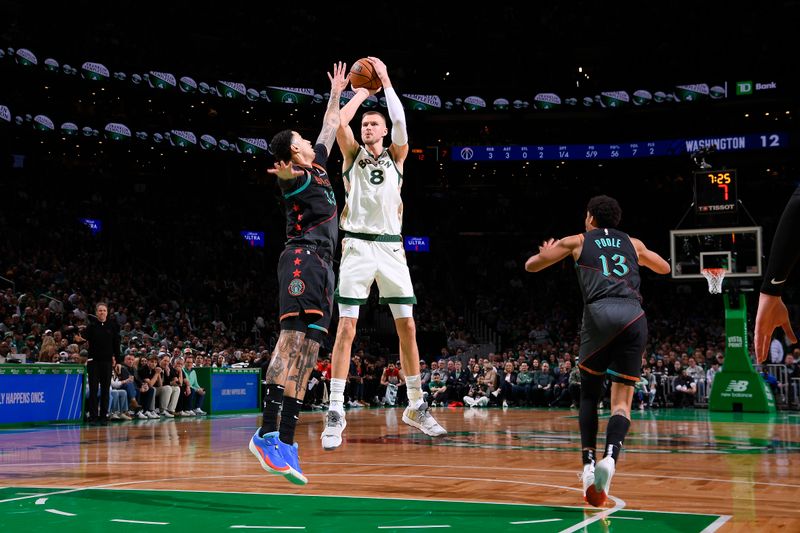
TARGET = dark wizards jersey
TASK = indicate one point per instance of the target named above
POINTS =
(608, 266)
(311, 207)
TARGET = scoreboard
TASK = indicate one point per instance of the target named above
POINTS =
(626, 150)
(715, 191)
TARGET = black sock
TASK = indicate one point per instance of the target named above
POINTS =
(289, 417)
(617, 428)
(588, 457)
(272, 404)
(591, 389)
(587, 420)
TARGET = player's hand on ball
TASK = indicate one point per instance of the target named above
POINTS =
(379, 66)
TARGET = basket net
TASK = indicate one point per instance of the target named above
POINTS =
(714, 276)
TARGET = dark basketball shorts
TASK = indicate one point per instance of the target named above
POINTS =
(613, 339)
(305, 287)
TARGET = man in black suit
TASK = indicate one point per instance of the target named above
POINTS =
(103, 338)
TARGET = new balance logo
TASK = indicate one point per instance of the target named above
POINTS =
(737, 385)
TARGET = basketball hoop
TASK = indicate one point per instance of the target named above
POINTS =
(714, 277)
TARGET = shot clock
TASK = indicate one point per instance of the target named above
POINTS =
(715, 191)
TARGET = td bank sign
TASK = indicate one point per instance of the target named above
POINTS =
(745, 88)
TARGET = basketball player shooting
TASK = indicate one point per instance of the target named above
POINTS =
(614, 330)
(372, 250)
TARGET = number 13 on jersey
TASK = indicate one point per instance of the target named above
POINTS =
(620, 268)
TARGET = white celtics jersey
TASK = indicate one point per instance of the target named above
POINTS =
(372, 189)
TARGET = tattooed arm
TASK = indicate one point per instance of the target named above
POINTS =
(330, 122)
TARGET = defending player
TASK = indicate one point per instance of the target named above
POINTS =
(614, 330)
(305, 278)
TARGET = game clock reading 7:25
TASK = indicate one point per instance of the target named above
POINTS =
(715, 191)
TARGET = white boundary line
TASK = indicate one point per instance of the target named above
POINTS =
(268, 527)
(139, 522)
(465, 467)
(721, 519)
(536, 521)
(716, 524)
(522, 504)
(414, 527)
(62, 513)
(618, 503)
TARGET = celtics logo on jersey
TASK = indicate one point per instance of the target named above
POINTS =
(297, 287)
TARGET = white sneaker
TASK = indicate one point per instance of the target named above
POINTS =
(587, 476)
(332, 434)
(152, 415)
(124, 416)
(140, 415)
(168, 414)
(200, 412)
(603, 472)
(422, 419)
(113, 416)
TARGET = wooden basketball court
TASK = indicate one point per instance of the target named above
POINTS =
(497, 470)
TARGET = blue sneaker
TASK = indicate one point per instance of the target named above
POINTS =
(267, 450)
(289, 454)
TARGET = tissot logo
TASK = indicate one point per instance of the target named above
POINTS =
(737, 385)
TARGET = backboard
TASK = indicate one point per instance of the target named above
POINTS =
(736, 249)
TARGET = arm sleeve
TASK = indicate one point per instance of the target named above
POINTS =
(397, 116)
(785, 249)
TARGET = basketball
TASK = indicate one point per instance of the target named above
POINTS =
(363, 75)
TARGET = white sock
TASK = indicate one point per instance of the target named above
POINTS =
(337, 395)
(414, 390)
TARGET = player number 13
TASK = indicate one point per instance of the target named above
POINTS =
(620, 268)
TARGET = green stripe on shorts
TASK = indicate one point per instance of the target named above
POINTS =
(398, 300)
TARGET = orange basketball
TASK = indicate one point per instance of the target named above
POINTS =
(363, 75)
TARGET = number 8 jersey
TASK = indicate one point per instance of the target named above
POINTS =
(608, 266)
(372, 190)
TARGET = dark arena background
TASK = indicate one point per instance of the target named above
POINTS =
(133, 170)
